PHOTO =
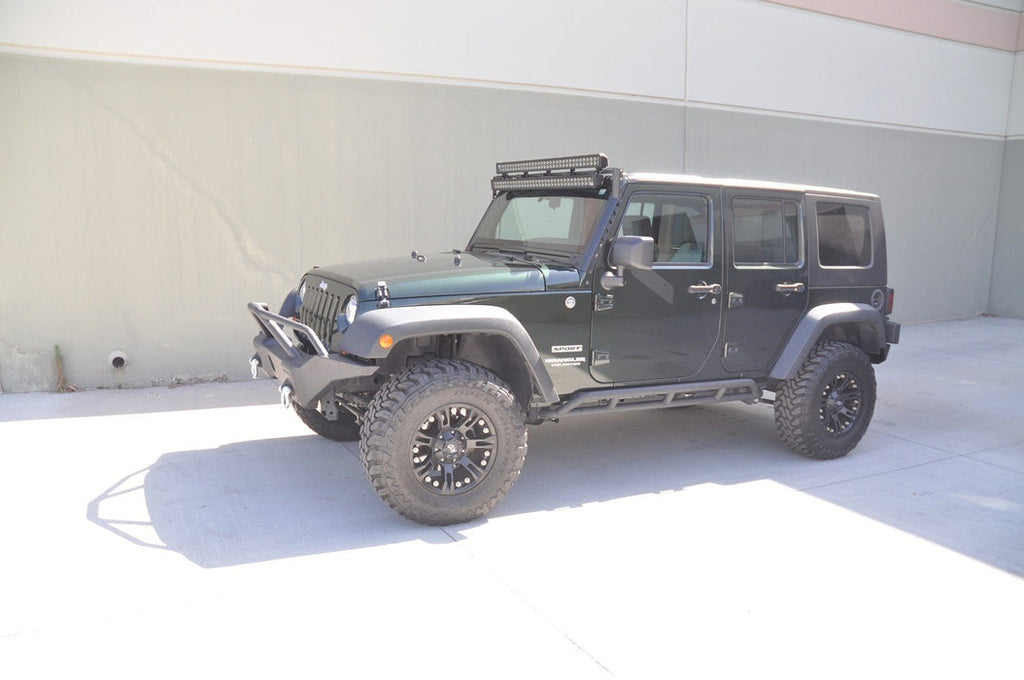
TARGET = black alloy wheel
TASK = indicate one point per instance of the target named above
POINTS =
(840, 403)
(452, 450)
(443, 441)
(825, 409)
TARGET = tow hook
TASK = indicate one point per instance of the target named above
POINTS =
(286, 395)
(254, 367)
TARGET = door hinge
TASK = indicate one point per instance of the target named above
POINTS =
(603, 303)
(600, 358)
(729, 348)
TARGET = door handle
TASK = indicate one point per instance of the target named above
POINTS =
(703, 289)
(789, 288)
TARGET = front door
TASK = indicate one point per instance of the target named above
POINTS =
(663, 323)
(766, 287)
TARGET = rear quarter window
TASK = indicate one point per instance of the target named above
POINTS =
(844, 235)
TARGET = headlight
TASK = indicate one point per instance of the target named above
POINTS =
(351, 307)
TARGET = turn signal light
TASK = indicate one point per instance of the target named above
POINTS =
(385, 341)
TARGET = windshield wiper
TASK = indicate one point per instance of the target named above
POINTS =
(514, 255)
(522, 255)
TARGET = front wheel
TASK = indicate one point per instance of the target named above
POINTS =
(824, 411)
(443, 442)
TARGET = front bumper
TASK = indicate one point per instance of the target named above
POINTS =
(309, 376)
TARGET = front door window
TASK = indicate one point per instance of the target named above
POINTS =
(662, 323)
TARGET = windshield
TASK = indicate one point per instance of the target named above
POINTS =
(546, 224)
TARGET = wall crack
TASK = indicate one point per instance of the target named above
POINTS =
(247, 247)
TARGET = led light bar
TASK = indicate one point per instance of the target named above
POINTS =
(589, 180)
(597, 161)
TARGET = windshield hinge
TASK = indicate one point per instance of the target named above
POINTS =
(383, 297)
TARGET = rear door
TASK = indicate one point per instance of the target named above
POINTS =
(766, 279)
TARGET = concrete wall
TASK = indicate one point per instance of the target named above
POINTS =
(1007, 296)
(939, 193)
(144, 206)
(156, 175)
(1008, 264)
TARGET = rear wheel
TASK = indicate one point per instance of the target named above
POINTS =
(824, 411)
(443, 442)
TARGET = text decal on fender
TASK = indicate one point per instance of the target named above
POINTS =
(566, 349)
(565, 361)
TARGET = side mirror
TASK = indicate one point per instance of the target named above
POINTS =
(636, 252)
(632, 252)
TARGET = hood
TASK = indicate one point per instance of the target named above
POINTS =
(448, 275)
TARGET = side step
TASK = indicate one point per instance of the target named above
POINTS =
(654, 396)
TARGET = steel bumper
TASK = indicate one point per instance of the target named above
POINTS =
(307, 376)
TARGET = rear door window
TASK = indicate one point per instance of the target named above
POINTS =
(766, 232)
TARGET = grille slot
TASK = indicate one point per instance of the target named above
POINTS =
(319, 311)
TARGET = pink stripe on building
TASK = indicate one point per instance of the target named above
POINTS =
(972, 24)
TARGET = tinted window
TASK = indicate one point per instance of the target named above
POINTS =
(766, 231)
(678, 225)
(844, 235)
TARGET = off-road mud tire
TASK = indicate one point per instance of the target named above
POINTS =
(432, 401)
(824, 411)
(344, 429)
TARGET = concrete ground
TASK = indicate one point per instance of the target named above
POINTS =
(203, 532)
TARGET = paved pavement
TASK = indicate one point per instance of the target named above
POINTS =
(203, 532)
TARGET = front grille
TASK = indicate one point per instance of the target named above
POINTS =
(320, 310)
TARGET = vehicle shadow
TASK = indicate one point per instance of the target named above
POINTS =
(254, 501)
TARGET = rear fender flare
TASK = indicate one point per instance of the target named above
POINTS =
(817, 322)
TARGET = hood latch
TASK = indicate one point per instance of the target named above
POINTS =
(383, 297)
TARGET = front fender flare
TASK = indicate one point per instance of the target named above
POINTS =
(814, 324)
(402, 323)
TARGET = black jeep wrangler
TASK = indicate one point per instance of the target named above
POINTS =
(586, 289)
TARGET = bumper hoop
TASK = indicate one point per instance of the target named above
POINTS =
(304, 377)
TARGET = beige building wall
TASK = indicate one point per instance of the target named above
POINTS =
(150, 185)
(144, 206)
(1007, 294)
